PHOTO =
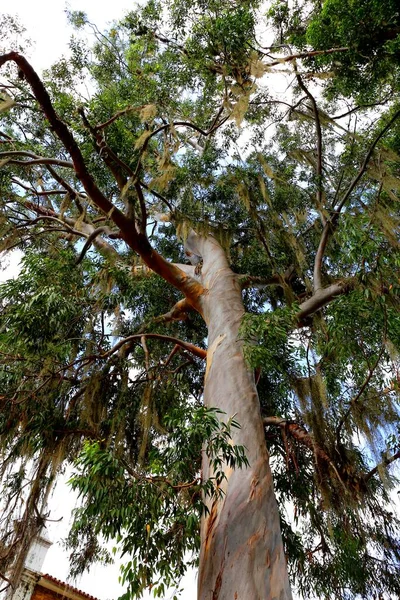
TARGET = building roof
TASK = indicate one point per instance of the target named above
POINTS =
(58, 586)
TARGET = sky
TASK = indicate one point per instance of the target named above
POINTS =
(47, 27)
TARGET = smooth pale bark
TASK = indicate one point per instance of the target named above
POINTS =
(242, 554)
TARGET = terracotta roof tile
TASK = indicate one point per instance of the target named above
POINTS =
(67, 586)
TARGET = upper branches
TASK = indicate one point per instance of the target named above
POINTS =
(137, 240)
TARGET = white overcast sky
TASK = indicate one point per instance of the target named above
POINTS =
(47, 27)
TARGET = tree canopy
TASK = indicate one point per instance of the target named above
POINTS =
(270, 133)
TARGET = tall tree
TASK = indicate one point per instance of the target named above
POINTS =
(209, 291)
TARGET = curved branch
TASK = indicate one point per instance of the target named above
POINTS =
(178, 312)
(86, 228)
(57, 220)
(92, 237)
(117, 115)
(321, 298)
(112, 161)
(36, 160)
(195, 350)
(156, 195)
(213, 128)
(252, 281)
(136, 240)
(317, 275)
(66, 137)
(329, 226)
(363, 106)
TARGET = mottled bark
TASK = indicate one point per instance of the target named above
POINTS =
(242, 555)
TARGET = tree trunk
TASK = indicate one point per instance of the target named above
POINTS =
(242, 554)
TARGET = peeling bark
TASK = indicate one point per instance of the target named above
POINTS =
(242, 555)
(241, 546)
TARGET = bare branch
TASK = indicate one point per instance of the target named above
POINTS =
(309, 54)
(179, 312)
(156, 195)
(385, 463)
(92, 237)
(86, 229)
(195, 350)
(116, 166)
(252, 281)
(116, 116)
(329, 226)
(138, 241)
(322, 297)
(317, 275)
(318, 170)
(363, 106)
(36, 160)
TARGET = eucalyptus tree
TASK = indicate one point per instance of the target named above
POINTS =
(206, 319)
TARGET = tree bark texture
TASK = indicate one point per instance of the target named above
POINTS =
(242, 554)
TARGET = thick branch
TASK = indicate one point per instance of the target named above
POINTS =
(178, 312)
(136, 240)
(317, 283)
(66, 137)
(321, 298)
(300, 434)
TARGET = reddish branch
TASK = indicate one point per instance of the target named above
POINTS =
(91, 239)
(300, 434)
(138, 241)
(116, 116)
